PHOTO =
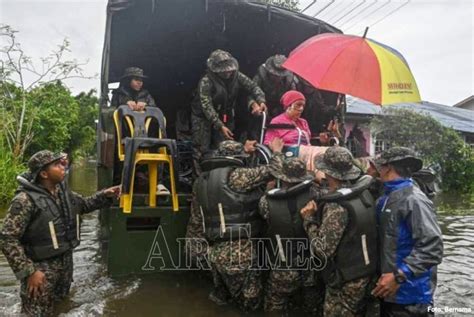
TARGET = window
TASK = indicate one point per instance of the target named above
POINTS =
(381, 145)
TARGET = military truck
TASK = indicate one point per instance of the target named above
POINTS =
(171, 40)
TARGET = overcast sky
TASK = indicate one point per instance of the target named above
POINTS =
(435, 36)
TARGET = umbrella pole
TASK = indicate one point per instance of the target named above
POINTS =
(365, 32)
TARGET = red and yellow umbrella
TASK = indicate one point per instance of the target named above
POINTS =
(355, 65)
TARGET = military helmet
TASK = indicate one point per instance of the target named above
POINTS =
(400, 154)
(231, 148)
(293, 170)
(274, 65)
(221, 61)
(40, 160)
(133, 72)
(337, 162)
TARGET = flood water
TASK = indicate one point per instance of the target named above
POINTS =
(93, 293)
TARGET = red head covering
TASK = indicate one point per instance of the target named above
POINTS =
(290, 97)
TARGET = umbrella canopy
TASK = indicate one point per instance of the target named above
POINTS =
(355, 65)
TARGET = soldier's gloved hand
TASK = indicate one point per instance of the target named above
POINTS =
(227, 133)
(36, 283)
(140, 106)
(276, 145)
(256, 109)
(132, 105)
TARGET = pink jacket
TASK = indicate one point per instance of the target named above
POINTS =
(290, 137)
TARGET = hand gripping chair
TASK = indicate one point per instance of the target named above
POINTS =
(137, 150)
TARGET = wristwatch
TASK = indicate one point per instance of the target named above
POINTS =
(400, 277)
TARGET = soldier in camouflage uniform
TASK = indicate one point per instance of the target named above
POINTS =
(274, 81)
(345, 294)
(41, 229)
(215, 104)
(232, 258)
(196, 251)
(282, 284)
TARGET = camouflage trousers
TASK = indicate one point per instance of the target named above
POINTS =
(233, 276)
(58, 272)
(196, 250)
(205, 138)
(350, 300)
(284, 285)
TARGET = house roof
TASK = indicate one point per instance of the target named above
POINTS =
(464, 101)
(457, 118)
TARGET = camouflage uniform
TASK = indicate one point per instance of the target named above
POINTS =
(274, 88)
(231, 260)
(195, 230)
(341, 299)
(58, 270)
(215, 103)
(283, 284)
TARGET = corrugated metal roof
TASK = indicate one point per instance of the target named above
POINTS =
(457, 118)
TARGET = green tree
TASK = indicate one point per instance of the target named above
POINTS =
(85, 131)
(434, 142)
(20, 75)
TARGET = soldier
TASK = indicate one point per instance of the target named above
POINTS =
(131, 92)
(228, 195)
(409, 237)
(196, 250)
(41, 228)
(215, 104)
(345, 221)
(274, 81)
(280, 208)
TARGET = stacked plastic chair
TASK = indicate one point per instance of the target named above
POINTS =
(140, 148)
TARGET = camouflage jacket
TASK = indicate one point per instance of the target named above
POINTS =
(20, 213)
(206, 96)
(273, 90)
(335, 219)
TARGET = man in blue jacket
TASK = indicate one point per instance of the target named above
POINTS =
(411, 244)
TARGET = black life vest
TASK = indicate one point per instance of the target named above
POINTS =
(285, 225)
(228, 214)
(273, 91)
(224, 96)
(53, 229)
(356, 254)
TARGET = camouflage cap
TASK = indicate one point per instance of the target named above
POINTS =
(337, 162)
(399, 154)
(274, 65)
(40, 160)
(363, 163)
(231, 148)
(133, 72)
(221, 61)
(293, 170)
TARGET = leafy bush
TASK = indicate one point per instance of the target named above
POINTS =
(434, 142)
(9, 169)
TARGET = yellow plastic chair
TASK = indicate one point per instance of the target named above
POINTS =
(143, 155)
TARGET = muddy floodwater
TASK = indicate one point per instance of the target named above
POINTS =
(93, 293)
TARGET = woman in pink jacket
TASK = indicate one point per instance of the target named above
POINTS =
(293, 103)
